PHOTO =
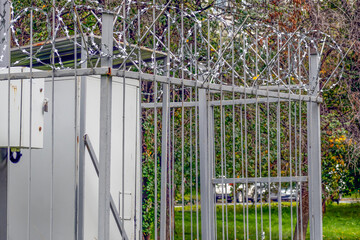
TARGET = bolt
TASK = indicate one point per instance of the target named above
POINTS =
(41, 89)
(40, 128)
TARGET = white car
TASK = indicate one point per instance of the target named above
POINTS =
(259, 193)
(223, 191)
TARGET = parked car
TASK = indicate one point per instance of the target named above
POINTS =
(223, 191)
(258, 193)
(286, 194)
(252, 193)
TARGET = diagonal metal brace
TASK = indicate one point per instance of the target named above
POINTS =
(112, 203)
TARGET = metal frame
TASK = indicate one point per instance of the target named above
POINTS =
(207, 216)
(105, 131)
(162, 79)
(314, 153)
(181, 83)
(164, 160)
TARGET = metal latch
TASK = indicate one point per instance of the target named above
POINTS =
(46, 105)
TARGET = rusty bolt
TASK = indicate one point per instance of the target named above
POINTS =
(40, 128)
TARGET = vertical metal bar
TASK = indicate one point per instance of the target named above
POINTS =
(182, 161)
(290, 147)
(123, 149)
(30, 122)
(246, 169)
(256, 136)
(300, 166)
(140, 122)
(164, 157)
(168, 64)
(196, 140)
(83, 89)
(138, 153)
(314, 152)
(4, 33)
(233, 124)
(77, 120)
(296, 169)
(210, 148)
(268, 134)
(211, 171)
(223, 151)
(205, 187)
(256, 169)
(242, 200)
(173, 173)
(258, 127)
(203, 97)
(300, 149)
(155, 124)
(260, 174)
(182, 121)
(170, 149)
(105, 129)
(212, 158)
(191, 155)
(245, 144)
(52, 121)
(223, 186)
(278, 141)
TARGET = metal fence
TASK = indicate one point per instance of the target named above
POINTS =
(147, 120)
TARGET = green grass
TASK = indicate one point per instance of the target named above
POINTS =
(339, 222)
(342, 221)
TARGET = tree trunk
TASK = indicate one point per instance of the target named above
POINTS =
(303, 210)
(324, 205)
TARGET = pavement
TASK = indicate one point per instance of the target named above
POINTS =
(349, 200)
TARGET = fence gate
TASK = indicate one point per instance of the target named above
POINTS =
(152, 120)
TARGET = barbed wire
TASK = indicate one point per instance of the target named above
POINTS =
(201, 43)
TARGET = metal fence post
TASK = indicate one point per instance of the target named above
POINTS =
(81, 184)
(164, 158)
(207, 226)
(314, 152)
(4, 40)
(105, 128)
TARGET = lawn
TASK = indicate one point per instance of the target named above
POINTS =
(340, 222)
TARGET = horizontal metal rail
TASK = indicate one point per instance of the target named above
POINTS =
(246, 101)
(216, 103)
(112, 203)
(261, 180)
(281, 87)
(172, 104)
(160, 79)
